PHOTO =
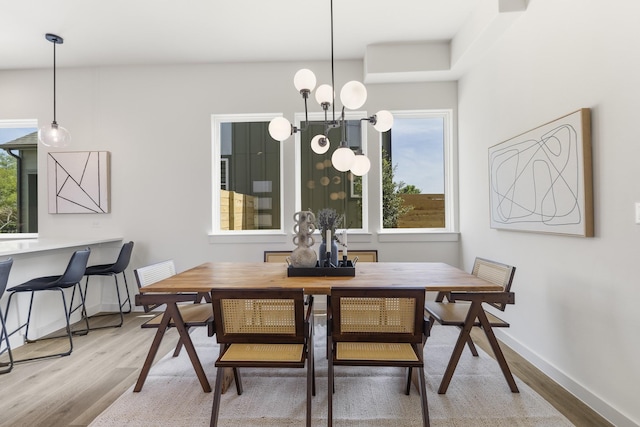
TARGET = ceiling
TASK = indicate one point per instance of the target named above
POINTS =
(130, 32)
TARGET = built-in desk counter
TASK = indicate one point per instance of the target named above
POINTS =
(23, 246)
(48, 257)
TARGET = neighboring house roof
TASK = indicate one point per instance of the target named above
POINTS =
(22, 143)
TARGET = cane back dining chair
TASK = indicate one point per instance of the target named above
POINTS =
(69, 279)
(378, 327)
(262, 328)
(194, 312)
(452, 309)
(113, 269)
(5, 269)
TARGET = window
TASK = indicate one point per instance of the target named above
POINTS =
(321, 185)
(415, 171)
(246, 175)
(18, 177)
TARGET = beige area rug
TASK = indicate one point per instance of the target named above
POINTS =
(477, 396)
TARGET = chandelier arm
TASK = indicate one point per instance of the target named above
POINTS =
(326, 124)
(306, 113)
(343, 126)
(373, 119)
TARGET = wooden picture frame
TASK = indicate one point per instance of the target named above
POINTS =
(541, 180)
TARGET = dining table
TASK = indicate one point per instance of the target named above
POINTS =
(430, 276)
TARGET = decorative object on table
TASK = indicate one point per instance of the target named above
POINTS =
(327, 222)
(343, 243)
(541, 180)
(353, 95)
(343, 271)
(303, 255)
(78, 182)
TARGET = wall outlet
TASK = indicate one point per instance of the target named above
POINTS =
(637, 212)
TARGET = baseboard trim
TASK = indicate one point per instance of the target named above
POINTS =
(587, 397)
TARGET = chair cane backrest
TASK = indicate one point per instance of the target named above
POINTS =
(259, 315)
(393, 314)
(123, 258)
(496, 273)
(75, 269)
(5, 269)
(153, 273)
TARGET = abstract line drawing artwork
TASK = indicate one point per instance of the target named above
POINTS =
(78, 182)
(541, 180)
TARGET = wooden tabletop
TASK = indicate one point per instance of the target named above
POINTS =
(432, 276)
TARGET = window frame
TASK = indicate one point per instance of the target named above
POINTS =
(450, 177)
(19, 123)
(216, 169)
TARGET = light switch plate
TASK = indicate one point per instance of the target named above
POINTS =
(637, 212)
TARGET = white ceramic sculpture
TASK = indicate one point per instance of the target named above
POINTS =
(303, 255)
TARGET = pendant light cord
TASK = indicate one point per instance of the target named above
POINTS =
(333, 83)
(54, 82)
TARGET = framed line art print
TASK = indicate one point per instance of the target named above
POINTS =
(79, 182)
(541, 180)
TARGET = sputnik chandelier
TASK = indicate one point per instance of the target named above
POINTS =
(353, 96)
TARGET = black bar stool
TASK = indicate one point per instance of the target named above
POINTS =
(70, 279)
(111, 270)
(5, 269)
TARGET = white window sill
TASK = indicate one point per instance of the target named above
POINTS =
(393, 236)
(354, 237)
(248, 237)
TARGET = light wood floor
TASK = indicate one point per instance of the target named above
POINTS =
(73, 390)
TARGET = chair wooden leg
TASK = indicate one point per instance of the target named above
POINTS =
(472, 347)
(311, 359)
(146, 367)
(311, 371)
(238, 380)
(215, 410)
(311, 387)
(495, 346)
(176, 352)
(188, 346)
(330, 391)
(457, 350)
(423, 397)
(407, 390)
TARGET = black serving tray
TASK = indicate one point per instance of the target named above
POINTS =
(344, 271)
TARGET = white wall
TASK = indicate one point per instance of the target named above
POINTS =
(156, 122)
(576, 298)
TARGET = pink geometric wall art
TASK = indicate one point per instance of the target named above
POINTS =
(78, 182)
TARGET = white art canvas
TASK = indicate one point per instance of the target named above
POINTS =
(78, 182)
(541, 180)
